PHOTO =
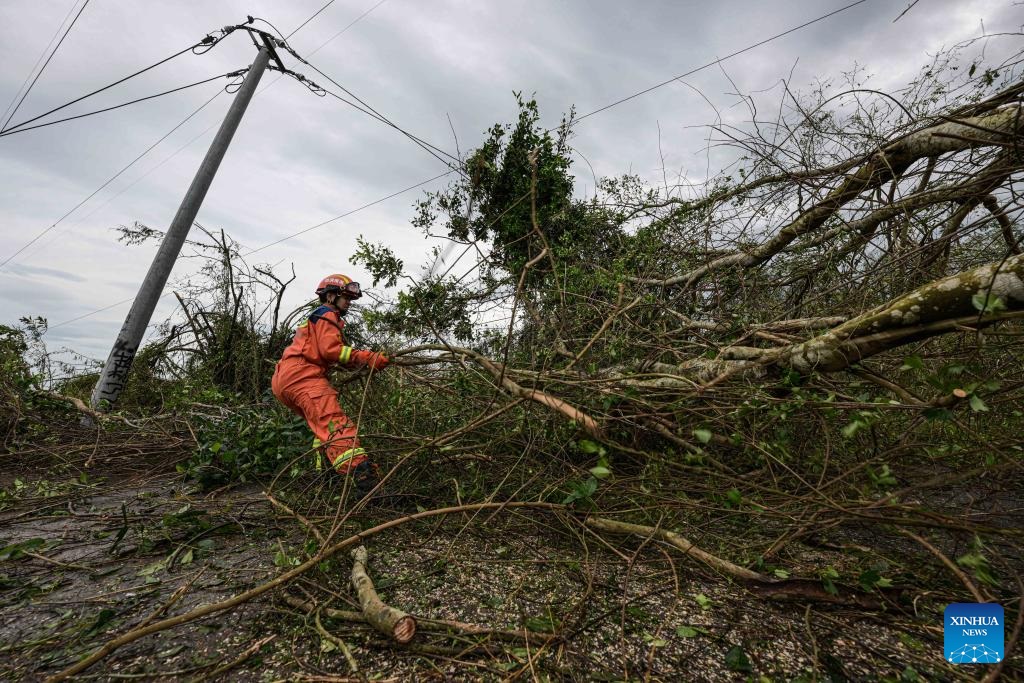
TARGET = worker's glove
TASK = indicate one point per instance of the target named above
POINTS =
(377, 361)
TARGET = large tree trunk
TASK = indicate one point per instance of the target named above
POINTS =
(936, 308)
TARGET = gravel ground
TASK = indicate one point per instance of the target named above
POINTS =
(112, 556)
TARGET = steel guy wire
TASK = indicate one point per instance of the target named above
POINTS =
(71, 26)
(42, 55)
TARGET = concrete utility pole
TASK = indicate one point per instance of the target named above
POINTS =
(115, 372)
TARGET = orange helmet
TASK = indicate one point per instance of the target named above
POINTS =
(342, 284)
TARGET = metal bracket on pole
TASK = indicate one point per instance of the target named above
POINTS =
(115, 372)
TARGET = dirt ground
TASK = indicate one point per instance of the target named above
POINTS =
(86, 559)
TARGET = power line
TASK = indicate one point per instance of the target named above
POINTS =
(311, 18)
(349, 213)
(350, 24)
(181, 123)
(110, 180)
(42, 54)
(373, 113)
(431, 149)
(91, 313)
(209, 40)
(722, 59)
(18, 106)
(143, 176)
(230, 74)
(275, 242)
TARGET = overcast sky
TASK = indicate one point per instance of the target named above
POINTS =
(298, 160)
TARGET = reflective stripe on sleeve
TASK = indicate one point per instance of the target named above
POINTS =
(346, 355)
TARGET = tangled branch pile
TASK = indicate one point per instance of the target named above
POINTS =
(796, 373)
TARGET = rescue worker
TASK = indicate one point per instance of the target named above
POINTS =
(300, 380)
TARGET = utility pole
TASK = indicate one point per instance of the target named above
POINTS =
(115, 372)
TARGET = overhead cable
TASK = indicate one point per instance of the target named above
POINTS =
(71, 26)
(722, 59)
(39, 59)
(349, 213)
(266, 246)
(109, 180)
(230, 74)
(209, 41)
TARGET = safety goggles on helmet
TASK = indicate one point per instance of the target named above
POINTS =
(339, 284)
(351, 291)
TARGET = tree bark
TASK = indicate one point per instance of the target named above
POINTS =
(392, 622)
(936, 308)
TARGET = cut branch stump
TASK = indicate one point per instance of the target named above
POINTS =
(392, 622)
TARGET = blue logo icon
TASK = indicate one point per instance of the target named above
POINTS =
(974, 633)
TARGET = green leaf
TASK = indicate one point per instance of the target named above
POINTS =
(988, 302)
(99, 623)
(702, 600)
(151, 569)
(827, 575)
(588, 446)
(939, 414)
(186, 557)
(869, 579)
(911, 642)
(703, 435)
(16, 550)
(544, 624)
(977, 405)
(852, 428)
(655, 642)
(736, 659)
(734, 497)
(781, 573)
(600, 472)
(912, 363)
(686, 632)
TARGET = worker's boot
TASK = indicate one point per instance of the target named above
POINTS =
(365, 478)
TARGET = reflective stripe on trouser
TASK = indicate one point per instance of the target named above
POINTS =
(342, 462)
(334, 433)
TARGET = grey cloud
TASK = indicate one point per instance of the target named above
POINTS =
(298, 159)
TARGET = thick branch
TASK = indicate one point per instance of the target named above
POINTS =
(883, 166)
(936, 308)
(391, 622)
(278, 581)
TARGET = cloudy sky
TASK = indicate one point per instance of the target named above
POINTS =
(431, 66)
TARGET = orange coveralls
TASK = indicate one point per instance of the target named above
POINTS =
(300, 383)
